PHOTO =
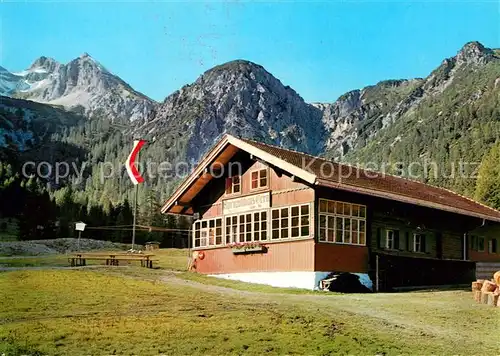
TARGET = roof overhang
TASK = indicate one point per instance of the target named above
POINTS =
(228, 146)
(403, 199)
(182, 196)
(221, 154)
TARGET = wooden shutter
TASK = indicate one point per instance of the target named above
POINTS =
(407, 241)
(439, 245)
(396, 239)
(473, 243)
(423, 242)
(379, 238)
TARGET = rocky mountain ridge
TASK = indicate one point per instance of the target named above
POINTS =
(82, 85)
(394, 119)
(357, 116)
(240, 98)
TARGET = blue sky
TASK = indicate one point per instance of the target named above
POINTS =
(321, 49)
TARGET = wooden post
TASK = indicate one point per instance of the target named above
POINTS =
(190, 254)
(376, 274)
(135, 216)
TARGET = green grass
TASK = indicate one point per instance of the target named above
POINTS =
(168, 259)
(243, 286)
(172, 258)
(35, 261)
(81, 312)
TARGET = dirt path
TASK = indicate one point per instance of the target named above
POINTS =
(373, 306)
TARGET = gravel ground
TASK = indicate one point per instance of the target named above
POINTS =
(54, 246)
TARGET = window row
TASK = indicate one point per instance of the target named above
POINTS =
(343, 230)
(341, 208)
(207, 232)
(415, 243)
(246, 227)
(287, 222)
(477, 243)
(258, 179)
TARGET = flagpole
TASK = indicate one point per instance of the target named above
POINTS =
(135, 215)
(135, 176)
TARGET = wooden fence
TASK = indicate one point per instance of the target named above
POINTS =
(399, 271)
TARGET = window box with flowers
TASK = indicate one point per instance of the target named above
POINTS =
(247, 247)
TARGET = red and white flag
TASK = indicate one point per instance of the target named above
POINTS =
(131, 163)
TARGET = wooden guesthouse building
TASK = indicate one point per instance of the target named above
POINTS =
(269, 215)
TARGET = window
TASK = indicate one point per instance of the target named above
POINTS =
(260, 226)
(492, 246)
(246, 227)
(390, 241)
(419, 243)
(477, 243)
(233, 185)
(290, 222)
(258, 179)
(341, 222)
(197, 234)
(207, 232)
(231, 229)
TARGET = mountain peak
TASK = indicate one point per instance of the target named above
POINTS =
(44, 62)
(88, 59)
(236, 66)
(240, 73)
(83, 82)
(474, 52)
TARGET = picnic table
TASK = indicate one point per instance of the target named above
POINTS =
(112, 258)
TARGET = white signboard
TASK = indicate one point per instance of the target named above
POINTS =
(243, 204)
(80, 226)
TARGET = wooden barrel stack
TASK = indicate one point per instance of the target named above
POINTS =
(487, 292)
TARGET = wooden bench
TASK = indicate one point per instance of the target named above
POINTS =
(112, 259)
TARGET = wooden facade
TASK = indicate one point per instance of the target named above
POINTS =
(302, 226)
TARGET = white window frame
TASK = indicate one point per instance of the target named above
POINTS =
(237, 232)
(490, 246)
(232, 192)
(392, 240)
(335, 215)
(420, 236)
(260, 230)
(233, 234)
(206, 231)
(259, 170)
(289, 218)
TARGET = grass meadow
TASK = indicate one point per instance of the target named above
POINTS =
(136, 311)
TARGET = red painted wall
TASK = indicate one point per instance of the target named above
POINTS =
(340, 258)
(281, 256)
(483, 256)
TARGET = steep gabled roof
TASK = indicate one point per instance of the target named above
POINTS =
(318, 171)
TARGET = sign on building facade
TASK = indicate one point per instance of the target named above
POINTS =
(243, 204)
